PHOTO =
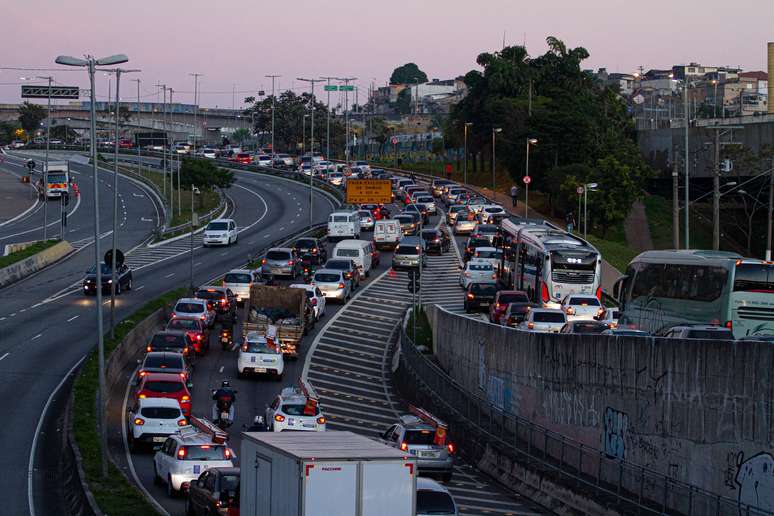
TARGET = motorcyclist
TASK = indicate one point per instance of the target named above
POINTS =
(307, 261)
(258, 425)
(266, 274)
(223, 397)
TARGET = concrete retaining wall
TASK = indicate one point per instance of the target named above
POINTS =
(132, 348)
(699, 411)
(34, 263)
(13, 248)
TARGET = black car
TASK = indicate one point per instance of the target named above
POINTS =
(311, 246)
(214, 492)
(222, 299)
(175, 341)
(436, 240)
(419, 210)
(479, 295)
(584, 327)
(472, 243)
(516, 313)
(123, 279)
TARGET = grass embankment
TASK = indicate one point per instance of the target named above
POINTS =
(18, 256)
(204, 203)
(115, 495)
(424, 332)
(659, 212)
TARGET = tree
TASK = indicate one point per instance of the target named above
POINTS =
(403, 104)
(241, 134)
(7, 132)
(204, 174)
(124, 114)
(380, 133)
(408, 73)
(30, 116)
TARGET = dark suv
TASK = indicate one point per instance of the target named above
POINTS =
(479, 295)
(436, 241)
(312, 246)
(222, 299)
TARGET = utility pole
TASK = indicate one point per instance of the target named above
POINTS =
(273, 150)
(716, 181)
(196, 105)
(45, 170)
(166, 140)
(687, 169)
(328, 122)
(346, 81)
(771, 205)
(311, 150)
(139, 159)
(675, 204)
(171, 169)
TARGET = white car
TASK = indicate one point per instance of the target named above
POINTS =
(435, 499)
(193, 308)
(579, 307)
(152, 420)
(611, 317)
(306, 169)
(491, 210)
(333, 284)
(315, 297)
(262, 160)
(427, 202)
(543, 320)
(220, 232)
(240, 281)
(185, 455)
(258, 356)
(335, 178)
(464, 226)
(283, 160)
(488, 231)
(490, 254)
(207, 152)
(293, 410)
(477, 271)
(366, 220)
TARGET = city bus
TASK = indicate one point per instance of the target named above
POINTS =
(662, 289)
(58, 178)
(546, 262)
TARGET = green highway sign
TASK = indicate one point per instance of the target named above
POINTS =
(347, 87)
(331, 87)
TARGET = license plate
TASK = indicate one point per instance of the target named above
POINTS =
(260, 369)
(197, 469)
(252, 359)
(291, 421)
(485, 303)
(430, 454)
(159, 439)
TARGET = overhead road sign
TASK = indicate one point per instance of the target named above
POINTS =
(369, 191)
(55, 92)
(330, 87)
(347, 87)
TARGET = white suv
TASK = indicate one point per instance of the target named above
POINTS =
(220, 232)
(185, 455)
(193, 308)
(152, 420)
(293, 410)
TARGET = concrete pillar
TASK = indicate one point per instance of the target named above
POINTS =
(771, 78)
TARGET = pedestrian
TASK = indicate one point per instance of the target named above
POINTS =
(569, 220)
(514, 195)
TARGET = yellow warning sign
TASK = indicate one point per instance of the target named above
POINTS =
(369, 191)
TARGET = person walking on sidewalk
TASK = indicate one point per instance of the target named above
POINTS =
(569, 220)
(515, 195)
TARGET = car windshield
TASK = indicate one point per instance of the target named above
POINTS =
(487, 229)
(434, 502)
(710, 335)
(217, 226)
(404, 219)
(588, 327)
(167, 341)
(305, 243)
(350, 253)
(327, 278)
(584, 301)
(237, 277)
(338, 264)
(430, 235)
(104, 269)
(519, 297)
(230, 483)
(489, 254)
(407, 249)
(480, 266)
(486, 289)
(57, 178)
(278, 255)
(424, 199)
(189, 308)
(209, 294)
(419, 437)
(165, 361)
(183, 324)
(259, 346)
(163, 387)
(549, 317)
(478, 242)
(341, 218)
(160, 412)
(204, 452)
(297, 409)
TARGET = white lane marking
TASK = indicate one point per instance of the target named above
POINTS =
(23, 310)
(71, 319)
(54, 223)
(267, 235)
(169, 275)
(3, 318)
(221, 369)
(282, 228)
(34, 446)
(197, 264)
(224, 253)
(140, 287)
(22, 214)
(2, 357)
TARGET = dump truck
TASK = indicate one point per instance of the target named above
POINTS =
(283, 307)
(324, 474)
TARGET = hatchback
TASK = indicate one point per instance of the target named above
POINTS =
(477, 271)
(544, 320)
(174, 341)
(501, 302)
(283, 262)
(194, 328)
(348, 267)
(165, 385)
(333, 284)
(479, 295)
(152, 420)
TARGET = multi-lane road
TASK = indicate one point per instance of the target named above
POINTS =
(47, 326)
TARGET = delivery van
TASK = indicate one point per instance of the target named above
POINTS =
(359, 251)
(387, 233)
(343, 224)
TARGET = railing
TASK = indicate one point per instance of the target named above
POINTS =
(203, 219)
(479, 427)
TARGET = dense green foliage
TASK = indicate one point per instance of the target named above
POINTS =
(408, 73)
(583, 130)
(30, 116)
(204, 174)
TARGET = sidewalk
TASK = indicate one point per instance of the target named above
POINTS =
(15, 196)
(637, 229)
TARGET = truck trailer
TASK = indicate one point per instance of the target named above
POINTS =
(324, 474)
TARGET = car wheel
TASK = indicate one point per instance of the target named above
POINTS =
(171, 492)
(240, 374)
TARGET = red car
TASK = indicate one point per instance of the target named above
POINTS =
(125, 144)
(243, 158)
(165, 385)
(376, 256)
(501, 301)
(194, 328)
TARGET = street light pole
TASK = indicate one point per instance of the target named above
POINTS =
(495, 130)
(328, 123)
(194, 192)
(687, 168)
(771, 208)
(311, 151)
(530, 141)
(273, 150)
(45, 170)
(196, 106)
(91, 63)
(139, 159)
(465, 151)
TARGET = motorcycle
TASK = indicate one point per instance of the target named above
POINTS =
(223, 413)
(307, 261)
(226, 338)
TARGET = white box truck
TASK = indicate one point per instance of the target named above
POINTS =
(324, 474)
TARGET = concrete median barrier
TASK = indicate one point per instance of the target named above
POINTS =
(34, 263)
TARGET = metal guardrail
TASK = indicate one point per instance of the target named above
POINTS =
(478, 426)
(203, 219)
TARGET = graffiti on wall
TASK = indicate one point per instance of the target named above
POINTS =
(616, 427)
(569, 407)
(755, 480)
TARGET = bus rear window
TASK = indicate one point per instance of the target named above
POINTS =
(754, 277)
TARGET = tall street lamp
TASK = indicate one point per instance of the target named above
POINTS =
(273, 150)
(586, 188)
(196, 107)
(495, 130)
(530, 142)
(91, 63)
(465, 158)
(715, 99)
(45, 168)
(311, 150)
(194, 193)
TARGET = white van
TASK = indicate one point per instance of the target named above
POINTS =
(387, 233)
(359, 251)
(343, 224)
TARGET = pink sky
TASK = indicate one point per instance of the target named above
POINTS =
(240, 41)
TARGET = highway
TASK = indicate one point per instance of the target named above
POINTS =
(48, 326)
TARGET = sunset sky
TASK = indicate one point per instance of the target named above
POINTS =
(234, 44)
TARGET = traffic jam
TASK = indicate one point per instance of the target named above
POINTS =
(521, 273)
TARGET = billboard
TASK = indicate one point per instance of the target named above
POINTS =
(55, 92)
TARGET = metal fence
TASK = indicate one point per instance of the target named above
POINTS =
(479, 427)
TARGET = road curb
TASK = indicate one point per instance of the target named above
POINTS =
(32, 264)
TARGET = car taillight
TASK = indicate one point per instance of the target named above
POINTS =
(244, 347)
(470, 295)
(290, 262)
(148, 348)
(203, 317)
(181, 453)
(138, 421)
(531, 326)
(544, 293)
(321, 420)
(341, 285)
(263, 261)
(182, 375)
(404, 446)
(570, 310)
(467, 274)
(600, 312)
(143, 373)
(142, 396)
(729, 325)
(182, 422)
(450, 447)
(227, 453)
(599, 293)
(279, 418)
(185, 399)
(314, 250)
(494, 276)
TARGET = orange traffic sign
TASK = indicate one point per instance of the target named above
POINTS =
(369, 191)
